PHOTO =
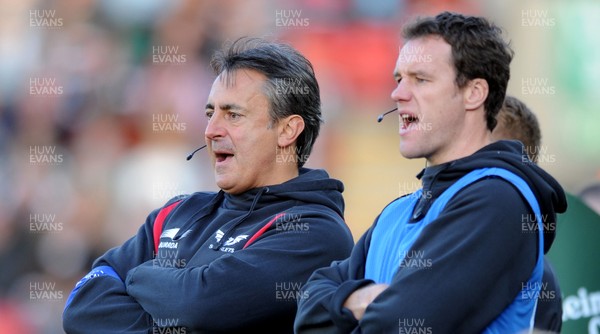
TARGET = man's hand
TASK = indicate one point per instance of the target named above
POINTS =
(360, 299)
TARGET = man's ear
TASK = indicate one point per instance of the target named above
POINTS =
(475, 93)
(289, 129)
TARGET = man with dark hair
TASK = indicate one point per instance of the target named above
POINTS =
(290, 86)
(464, 253)
(230, 261)
(517, 122)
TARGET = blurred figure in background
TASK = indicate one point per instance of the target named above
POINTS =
(517, 122)
(590, 195)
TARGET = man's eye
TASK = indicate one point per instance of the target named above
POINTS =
(209, 114)
(420, 79)
(234, 116)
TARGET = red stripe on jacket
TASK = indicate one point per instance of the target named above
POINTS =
(262, 230)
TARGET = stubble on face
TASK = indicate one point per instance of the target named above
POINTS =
(428, 99)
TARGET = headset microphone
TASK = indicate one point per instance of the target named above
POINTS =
(380, 117)
(192, 154)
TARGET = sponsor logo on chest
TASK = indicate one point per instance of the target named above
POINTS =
(231, 244)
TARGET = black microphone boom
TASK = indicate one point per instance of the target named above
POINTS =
(192, 154)
(380, 117)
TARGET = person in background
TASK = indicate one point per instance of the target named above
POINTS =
(517, 122)
(590, 195)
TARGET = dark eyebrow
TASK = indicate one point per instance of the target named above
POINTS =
(227, 106)
(412, 74)
(231, 106)
(418, 73)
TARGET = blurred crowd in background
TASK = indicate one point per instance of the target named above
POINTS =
(101, 101)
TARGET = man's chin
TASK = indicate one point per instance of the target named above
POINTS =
(409, 154)
(230, 186)
(224, 183)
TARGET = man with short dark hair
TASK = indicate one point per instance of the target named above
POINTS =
(464, 253)
(231, 261)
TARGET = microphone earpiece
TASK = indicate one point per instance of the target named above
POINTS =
(192, 154)
(380, 117)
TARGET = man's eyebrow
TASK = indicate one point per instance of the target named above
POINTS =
(227, 106)
(418, 73)
(412, 73)
(231, 106)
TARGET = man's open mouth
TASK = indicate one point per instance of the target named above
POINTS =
(408, 119)
(220, 157)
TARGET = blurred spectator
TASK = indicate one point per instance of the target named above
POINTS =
(516, 121)
(590, 195)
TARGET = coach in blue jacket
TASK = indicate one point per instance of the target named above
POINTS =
(235, 260)
(464, 254)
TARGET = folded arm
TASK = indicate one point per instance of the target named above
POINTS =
(100, 303)
(241, 289)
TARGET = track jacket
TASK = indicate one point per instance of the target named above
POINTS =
(462, 270)
(225, 263)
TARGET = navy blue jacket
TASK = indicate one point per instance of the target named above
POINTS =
(225, 263)
(479, 249)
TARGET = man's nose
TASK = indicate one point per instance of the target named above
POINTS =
(214, 127)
